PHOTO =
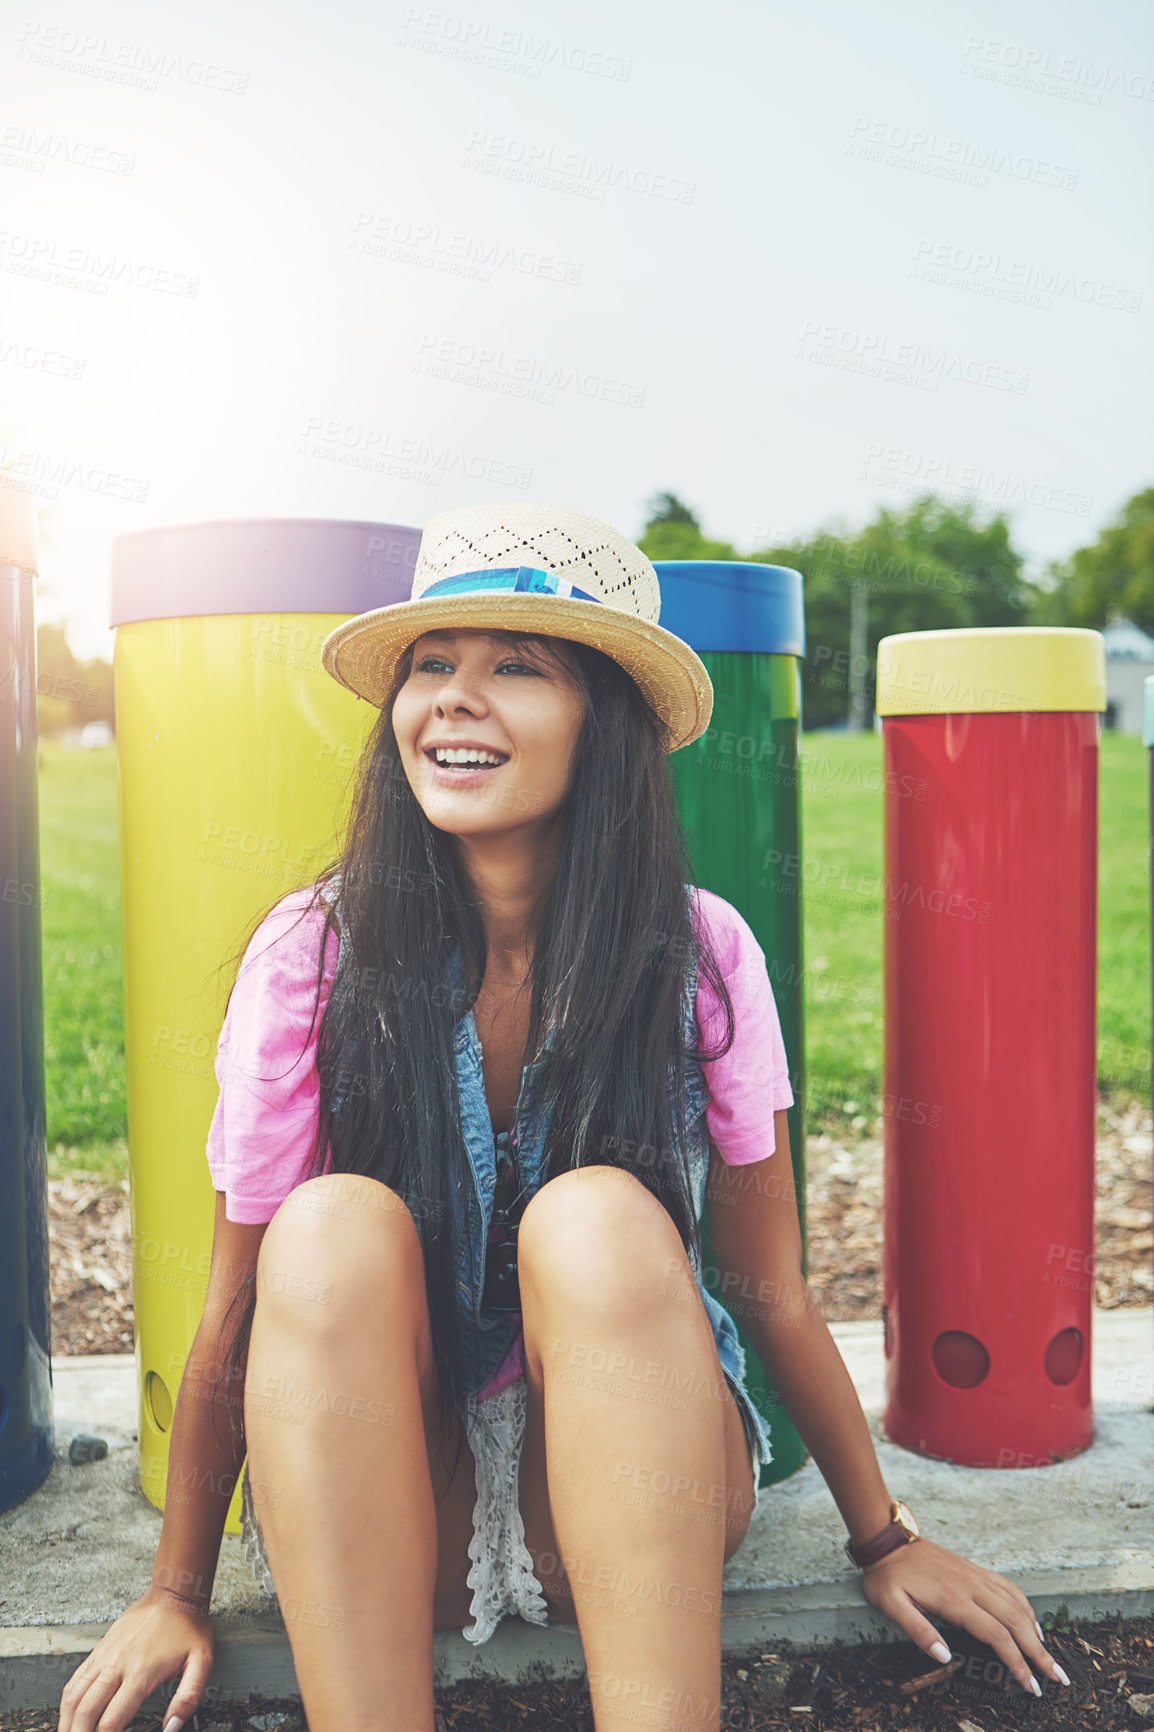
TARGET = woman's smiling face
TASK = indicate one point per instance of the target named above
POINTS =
(470, 692)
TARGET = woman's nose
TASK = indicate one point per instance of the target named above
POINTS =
(460, 692)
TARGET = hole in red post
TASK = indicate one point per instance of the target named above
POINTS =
(888, 1332)
(1064, 1356)
(959, 1359)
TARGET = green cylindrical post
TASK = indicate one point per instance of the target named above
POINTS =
(739, 796)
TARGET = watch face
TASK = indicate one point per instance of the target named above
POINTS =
(906, 1517)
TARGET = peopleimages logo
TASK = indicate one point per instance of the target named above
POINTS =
(920, 148)
(571, 171)
(917, 469)
(37, 359)
(45, 257)
(876, 354)
(476, 41)
(43, 474)
(1014, 63)
(378, 235)
(1017, 280)
(131, 63)
(409, 456)
(24, 147)
(492, 369)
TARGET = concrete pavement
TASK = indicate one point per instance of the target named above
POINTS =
(1078, 1533)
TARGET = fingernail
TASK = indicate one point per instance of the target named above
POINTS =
(1041, 1632)
(939, 1651)
(174, 1724)
(1034, 1685)
(1059, 1674)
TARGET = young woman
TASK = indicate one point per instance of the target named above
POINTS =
(477, 1085)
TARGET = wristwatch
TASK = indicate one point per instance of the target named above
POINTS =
(901, 1531)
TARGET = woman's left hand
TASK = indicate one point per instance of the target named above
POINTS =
(924, 1577)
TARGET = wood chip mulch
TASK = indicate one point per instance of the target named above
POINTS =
(870, 1688)
(844, 1192)
(92, 1246)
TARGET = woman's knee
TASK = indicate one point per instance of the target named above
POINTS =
(330, 1235)
(599, 1228)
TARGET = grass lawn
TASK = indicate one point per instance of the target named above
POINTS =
(841, 827)
(83, 976)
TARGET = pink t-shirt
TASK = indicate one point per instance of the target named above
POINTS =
(262, 1129)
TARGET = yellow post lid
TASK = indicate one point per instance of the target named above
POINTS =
(1007, 667)
(17, 526)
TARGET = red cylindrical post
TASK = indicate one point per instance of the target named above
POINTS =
(991, 791)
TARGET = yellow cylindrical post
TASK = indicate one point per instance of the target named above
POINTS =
(234, 753)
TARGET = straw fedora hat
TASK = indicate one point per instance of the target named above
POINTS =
(544, 569)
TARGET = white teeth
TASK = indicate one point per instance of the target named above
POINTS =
(465, 755)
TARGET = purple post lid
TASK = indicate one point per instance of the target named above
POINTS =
(261, 565)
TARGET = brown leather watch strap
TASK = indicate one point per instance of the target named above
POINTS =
(870, 1551)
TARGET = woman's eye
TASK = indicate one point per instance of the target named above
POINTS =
(430, 664)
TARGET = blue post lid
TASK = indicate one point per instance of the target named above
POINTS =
(726, 604)
(1148, 711)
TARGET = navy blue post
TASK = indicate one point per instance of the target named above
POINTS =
(26, 1429)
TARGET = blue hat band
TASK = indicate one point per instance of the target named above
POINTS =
(515, 579)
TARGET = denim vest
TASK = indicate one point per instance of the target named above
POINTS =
(486, 1337)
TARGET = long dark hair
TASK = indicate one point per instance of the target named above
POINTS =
(613, 948)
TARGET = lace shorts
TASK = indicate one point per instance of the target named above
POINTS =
(501, 1574)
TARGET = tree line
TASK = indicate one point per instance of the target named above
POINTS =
(929, 567)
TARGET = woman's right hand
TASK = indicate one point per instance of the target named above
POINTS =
(158, 1636)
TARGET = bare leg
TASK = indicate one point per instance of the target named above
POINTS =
(619, 1347)
(337, 1395)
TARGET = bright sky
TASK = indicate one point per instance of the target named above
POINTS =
(374, 261)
